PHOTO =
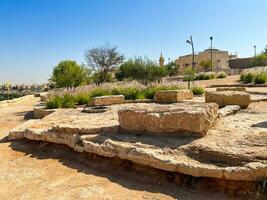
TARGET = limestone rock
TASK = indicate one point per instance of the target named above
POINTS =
(40, 112)
(240, 89)
(108, 100)
(233, 149)
(172, 96)
(229, 110)
(186, 117)
(223, 98)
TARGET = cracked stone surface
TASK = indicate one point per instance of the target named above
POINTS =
(234, 149)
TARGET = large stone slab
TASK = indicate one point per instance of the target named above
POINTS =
(240, 89)
(172, 96)
(223, 98)
(185, 117)
(234, 149)
(108, 100)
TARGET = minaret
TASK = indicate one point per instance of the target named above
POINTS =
(161, 60)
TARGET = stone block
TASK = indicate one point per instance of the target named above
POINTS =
(224, 98)
(172, 96)
(240, 89)
(108, 100)
(184, 117)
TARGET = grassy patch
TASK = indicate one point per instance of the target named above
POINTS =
(197, 90)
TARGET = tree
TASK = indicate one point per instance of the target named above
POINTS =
(141, 69)
(189, 75)
(103, 60)
(206, 64)
(172, 68)
(69, 74)
(260, 60)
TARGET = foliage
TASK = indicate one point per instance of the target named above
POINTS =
(103, 60)
(69, 74)
(260, 60)
(206, 64)
(96, 78)
(189, 75)
(221, 74)
(141, 69)
(206, 76)
(83, 95)
(172, 68)
(260, 78)
(54, 102)
(247, 77)
(68, 101)
(197, 90)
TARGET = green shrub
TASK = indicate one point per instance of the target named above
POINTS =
(247, 77)
(69, 74)
(221, 75)
(130, 93)
(209, 75)
(54, 102)
(260, 78)
(197, 90)
(82, 98)
(149, 92)
(68, 101)
(141, 96)
(200, 77)
(99, 92)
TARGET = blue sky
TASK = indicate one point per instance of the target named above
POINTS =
(36, 34)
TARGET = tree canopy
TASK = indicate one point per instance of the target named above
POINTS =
(69, 74)
(103, 60)
(141, 69)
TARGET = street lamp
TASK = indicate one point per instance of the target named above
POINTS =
(211, 38)
(255, 52)
(193, 51)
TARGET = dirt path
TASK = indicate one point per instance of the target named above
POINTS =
(32, 170)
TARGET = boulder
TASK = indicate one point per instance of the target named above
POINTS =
(172, 96)
(40, 111)
(240, 89)
(108, 100)
(224, 98)
(185, 117)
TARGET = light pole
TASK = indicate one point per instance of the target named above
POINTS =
(255, 52)
(211, 38)
(193, 51)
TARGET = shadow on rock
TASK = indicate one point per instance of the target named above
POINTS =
(260, 125)
(125, 173)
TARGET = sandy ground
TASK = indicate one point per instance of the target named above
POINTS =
(31, 170)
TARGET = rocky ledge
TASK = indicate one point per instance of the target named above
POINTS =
(233, 149)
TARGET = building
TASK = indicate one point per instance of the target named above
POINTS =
(161, 60)
(220, 61)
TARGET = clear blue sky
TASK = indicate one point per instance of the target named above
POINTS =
(36, 34)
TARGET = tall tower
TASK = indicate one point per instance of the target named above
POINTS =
(161, 60)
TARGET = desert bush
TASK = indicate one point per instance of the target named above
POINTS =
(205, 76)
(221, 74)
(82, 98)
(200, 76)
(197, 90)
(68, 101)
(210, 75)
(66, 98)
(54, 102)
(247, 77)
(260, 78)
